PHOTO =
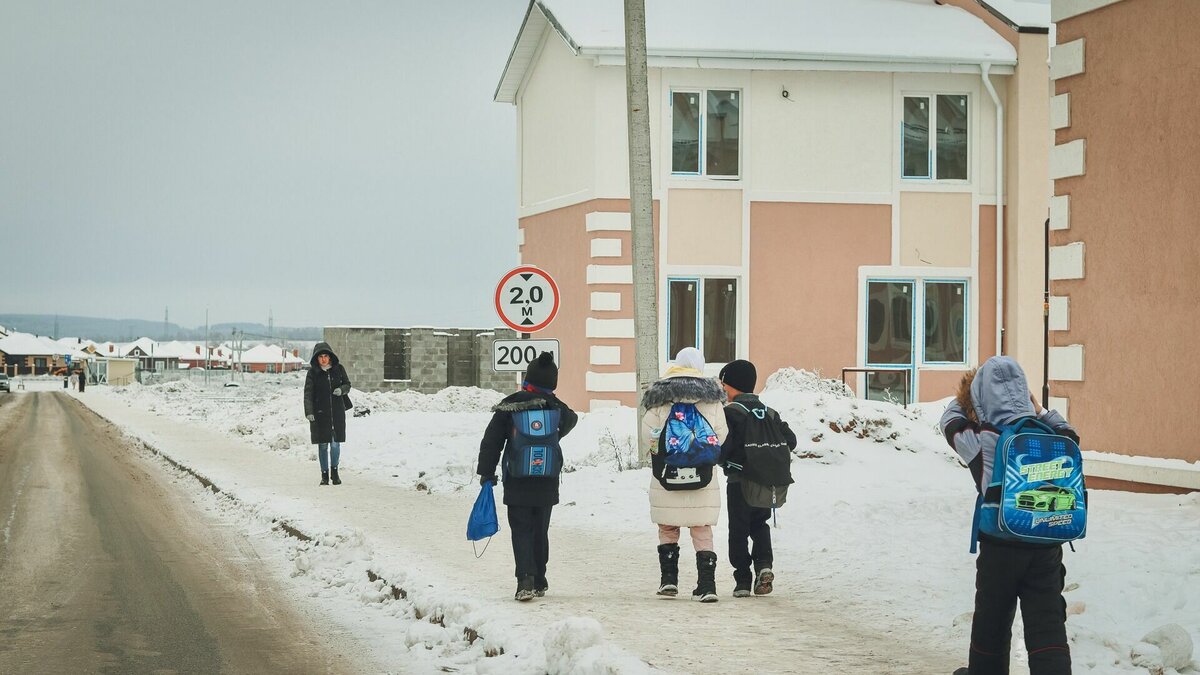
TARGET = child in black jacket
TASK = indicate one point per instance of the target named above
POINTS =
(529, 499)
(745, 522)
(995, 395)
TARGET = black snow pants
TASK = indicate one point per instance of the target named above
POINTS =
(1035, 576)
(530, 530)
(747, 522)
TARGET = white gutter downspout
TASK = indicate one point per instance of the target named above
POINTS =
(987, 82)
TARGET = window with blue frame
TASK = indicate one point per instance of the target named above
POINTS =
(706, 132)
(945, 322)
(702, 313)
(934, 137)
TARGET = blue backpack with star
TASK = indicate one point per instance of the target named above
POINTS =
(533, 451)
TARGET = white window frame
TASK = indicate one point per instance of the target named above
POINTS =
(702, 94)
(699, 280)
(931, 152)
(919, 276)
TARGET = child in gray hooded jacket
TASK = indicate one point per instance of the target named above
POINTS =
(1008, 571)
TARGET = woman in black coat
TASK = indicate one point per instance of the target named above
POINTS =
(325, 405)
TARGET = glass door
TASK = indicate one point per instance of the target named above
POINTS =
(890, 339)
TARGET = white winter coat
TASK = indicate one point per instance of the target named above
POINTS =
(684, 508)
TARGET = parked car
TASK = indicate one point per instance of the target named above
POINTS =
(1046, 498)
(4, 383)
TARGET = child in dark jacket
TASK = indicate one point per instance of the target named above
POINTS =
(1006, 571)
(745, 522)
(529, 499)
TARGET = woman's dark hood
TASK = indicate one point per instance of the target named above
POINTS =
(323, 348)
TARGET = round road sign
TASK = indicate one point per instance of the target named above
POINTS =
(527, 299)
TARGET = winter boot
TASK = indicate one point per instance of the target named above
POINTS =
(962, 671)
(540, 586)
(764, 581)
(334, 476)
(668, 563)
(324, 478)
(524, 589)
(706, 577)
(742, 581)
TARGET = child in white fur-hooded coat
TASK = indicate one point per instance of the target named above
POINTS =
(698, 510)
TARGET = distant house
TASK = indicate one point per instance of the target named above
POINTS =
(25, 354)
(837, 183)
(270, 359)
(150, 356)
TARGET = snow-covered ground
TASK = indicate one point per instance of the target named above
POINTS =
(876, 527)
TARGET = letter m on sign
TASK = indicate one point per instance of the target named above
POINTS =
(526, 311)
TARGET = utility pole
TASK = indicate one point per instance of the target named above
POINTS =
(641, 201)
(207, 349)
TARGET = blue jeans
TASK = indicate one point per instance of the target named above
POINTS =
(335, 451)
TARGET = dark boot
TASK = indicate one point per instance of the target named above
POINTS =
(324, 478)
(743, 580)
(524, 589)
(334, 476)
(540, 586)
(764, 581)
(706, 577)
(668, 564)
(962, 671)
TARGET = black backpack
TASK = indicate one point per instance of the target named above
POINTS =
(767, 471)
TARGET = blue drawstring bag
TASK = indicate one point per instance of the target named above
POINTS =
(483, 522)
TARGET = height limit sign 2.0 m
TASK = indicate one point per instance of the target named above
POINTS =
(527, 299)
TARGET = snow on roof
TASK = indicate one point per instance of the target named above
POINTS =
(269, 354)
(24, 344)
(1021, 13)
(145, 343)
(889, 31)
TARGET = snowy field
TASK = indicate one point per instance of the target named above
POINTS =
(877, 524)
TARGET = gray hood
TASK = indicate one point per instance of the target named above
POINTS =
(1000, 392)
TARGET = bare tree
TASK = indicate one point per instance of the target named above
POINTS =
(641, 200)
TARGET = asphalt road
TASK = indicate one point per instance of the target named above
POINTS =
(107, 568)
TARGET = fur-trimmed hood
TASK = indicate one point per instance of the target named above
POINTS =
(524, 400)
(683, 389)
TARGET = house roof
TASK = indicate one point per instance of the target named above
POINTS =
(269, 354)
(24, 344)
(1021, 13)
(900, 32)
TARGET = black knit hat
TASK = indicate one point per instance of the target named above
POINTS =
(740, 375)
(542, 372)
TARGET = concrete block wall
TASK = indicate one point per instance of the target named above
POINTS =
(488, 378)
(360, 351)
(429, 351)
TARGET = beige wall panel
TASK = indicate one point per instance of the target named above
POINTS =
(937, 384)
(556, 119)
(1134, 312)
(704, 227)
(935, 229)
(833, 133)
(805, 259)
(612, 130)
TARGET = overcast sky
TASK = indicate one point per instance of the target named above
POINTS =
(337, 162)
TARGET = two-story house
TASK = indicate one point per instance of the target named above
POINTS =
(826, 181)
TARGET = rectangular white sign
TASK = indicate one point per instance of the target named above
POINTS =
(515, 355)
